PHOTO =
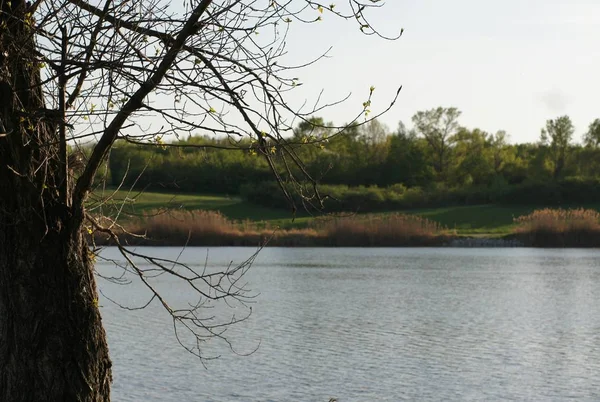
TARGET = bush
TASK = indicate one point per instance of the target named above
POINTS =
(371, 199)
(572, 190)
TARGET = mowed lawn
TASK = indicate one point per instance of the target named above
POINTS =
(136, 203)
(495, 220)
(476, 219)
(486, 219)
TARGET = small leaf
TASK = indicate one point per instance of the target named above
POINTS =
(320, 9)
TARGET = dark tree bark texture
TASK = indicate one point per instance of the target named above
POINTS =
(52, 343)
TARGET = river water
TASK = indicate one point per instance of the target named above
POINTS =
(366, 324)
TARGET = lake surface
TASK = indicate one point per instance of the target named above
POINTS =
(374, 325)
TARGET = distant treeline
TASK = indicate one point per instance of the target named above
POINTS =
(369, 167)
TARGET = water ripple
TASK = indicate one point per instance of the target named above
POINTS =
(380, 324)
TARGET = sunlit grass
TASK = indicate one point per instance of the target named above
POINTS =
(136, 203)
(476, 220)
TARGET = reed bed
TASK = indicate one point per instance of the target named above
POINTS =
(559, 228)
(379, 231)
(209, 228)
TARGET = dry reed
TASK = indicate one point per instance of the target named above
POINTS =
(559, 228)
(208, 228)
(379, 230)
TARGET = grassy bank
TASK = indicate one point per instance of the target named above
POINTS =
(132, 204)
(248, 224)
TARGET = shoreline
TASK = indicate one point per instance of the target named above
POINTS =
(542, 228)
(441, 241)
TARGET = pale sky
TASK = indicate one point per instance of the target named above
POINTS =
(507, 65)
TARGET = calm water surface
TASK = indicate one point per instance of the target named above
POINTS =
(375, 325)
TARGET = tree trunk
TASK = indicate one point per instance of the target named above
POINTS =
(52, 343)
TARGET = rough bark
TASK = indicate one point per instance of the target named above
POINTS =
(52, 343)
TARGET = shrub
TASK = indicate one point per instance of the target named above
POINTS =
(372, 199)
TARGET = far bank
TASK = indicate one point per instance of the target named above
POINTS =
(541, 228)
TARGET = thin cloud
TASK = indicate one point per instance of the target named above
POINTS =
(555, 101)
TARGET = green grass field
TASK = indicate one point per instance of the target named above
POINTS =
(477, 220)
(133, 203)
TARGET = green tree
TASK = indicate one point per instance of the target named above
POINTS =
(71, 70)
(406, 161)
(519, 165)
(473, 157)
(587, 161)
(557, 136)
(346, 157)
(374, 133)
(314, 128)
(373, 138)
(592, 136)
(438, 127)
(500, 150)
